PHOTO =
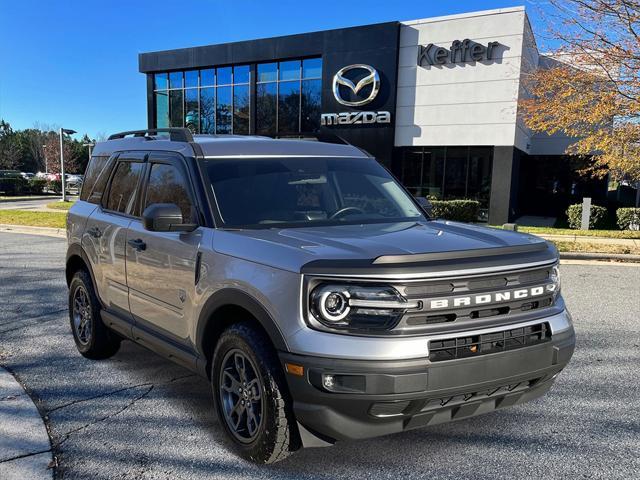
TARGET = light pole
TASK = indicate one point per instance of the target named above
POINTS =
(64, 183)
(44, 150)
(90, 145)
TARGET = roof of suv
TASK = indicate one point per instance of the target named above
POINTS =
(231, 146)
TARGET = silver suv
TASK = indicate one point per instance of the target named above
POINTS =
(318, 298)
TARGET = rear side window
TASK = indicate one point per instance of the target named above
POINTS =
(91, 188)
(124, 185)
(167, 184)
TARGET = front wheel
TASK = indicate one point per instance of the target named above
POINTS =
(251, 398)
(93, 339)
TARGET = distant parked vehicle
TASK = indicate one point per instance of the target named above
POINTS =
(73, 183)
(27, 175)
(10, 174)
(11, 182)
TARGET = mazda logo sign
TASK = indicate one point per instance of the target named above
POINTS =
(371, 78)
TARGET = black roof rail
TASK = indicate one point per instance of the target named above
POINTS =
(175, 134)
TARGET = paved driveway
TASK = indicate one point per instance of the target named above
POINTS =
(37, 204)
(139, 416)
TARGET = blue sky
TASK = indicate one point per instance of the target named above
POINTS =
(75, 63)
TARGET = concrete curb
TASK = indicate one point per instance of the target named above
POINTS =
(26, 199)
(46, 231)
(25, 448)
(608, 257)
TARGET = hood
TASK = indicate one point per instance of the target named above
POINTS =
(293, 248)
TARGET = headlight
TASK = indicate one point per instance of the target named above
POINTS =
(358, 307)
(554, 276)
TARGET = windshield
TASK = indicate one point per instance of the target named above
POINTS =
(290, 191)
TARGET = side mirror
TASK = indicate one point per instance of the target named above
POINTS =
(425, 204)
(165, 217)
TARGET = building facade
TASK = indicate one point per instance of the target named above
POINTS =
(436, 100)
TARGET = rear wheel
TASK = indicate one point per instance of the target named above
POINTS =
(251, 398)
(93, 339)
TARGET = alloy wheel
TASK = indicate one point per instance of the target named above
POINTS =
(241, 389)
(82, 315)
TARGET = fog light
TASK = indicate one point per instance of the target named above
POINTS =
(328, 381)
(343, 383)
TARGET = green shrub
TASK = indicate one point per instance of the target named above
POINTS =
(597, 220)
(627, 217)
(457, 210)
(54, 186)
(12, 185)
(36, 185)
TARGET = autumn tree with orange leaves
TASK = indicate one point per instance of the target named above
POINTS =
(592, 92)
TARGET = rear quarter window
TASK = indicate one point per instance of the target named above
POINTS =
(95, 179)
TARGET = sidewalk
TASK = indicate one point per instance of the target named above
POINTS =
(45, 231)
(25, 450)
(26, 198)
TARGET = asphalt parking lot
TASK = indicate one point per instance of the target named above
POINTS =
(139, 416)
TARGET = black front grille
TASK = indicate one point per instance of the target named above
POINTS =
(474, 345)
(471, 284)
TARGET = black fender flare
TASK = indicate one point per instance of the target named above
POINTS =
(238, 298)
(76, 250)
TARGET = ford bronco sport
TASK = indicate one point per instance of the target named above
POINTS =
(318, 298)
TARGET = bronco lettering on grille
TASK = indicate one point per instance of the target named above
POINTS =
(488, 298)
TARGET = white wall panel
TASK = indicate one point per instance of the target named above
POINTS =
(460, 93)
(473, 103)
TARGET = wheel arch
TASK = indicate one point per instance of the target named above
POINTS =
(223, 309)
(76, 259)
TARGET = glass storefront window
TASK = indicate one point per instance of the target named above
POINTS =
(175, 80)
(223, 76)
(207, 77)
(447, 173)
(224, 107)
(289, 107)
(289, 70)
(312, 68)
(191, 79)
(161, 81)
(162, 109)
(266, 108)
(311, 101)
(479, 176)
(241, 109)
(288, 96)
(208, 110)
(267, 72)
(455, 176)
(176, 107)
(241, 74)
(422, 171)
(192, 113)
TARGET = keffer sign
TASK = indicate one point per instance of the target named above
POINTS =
(460, 52)
(360, 92)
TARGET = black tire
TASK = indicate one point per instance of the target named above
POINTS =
(93, 339)
(276, 435)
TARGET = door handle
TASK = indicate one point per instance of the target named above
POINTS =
(138, 244)
(94, 232)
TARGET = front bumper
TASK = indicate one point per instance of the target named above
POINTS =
(397, 395)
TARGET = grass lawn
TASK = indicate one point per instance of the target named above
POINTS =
(595, 248)
(60, 205)
(586, 233)
(34, 219)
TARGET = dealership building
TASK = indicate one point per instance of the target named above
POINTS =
(435, 100)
